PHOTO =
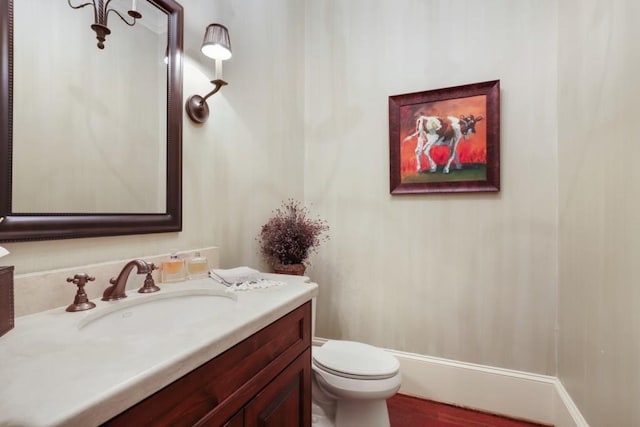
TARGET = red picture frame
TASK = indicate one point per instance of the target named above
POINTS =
(445, 140)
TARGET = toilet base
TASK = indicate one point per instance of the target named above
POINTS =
(321, 421)
(319, 417)
(362, 413)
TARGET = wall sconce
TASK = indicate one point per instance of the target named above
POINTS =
(216, 45)
(101, 11)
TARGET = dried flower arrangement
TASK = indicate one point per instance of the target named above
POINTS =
(290, 236)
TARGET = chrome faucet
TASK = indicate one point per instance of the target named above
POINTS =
(117, 289)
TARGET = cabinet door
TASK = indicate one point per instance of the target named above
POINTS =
(236, 421)
(286, 401)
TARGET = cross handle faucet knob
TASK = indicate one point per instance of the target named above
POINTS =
(149, 284)
(81, 301)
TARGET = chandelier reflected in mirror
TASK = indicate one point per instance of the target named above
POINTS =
(101, 11)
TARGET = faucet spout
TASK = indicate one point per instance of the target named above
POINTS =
(118, 284)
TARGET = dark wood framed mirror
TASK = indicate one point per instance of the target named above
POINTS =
(20, 221)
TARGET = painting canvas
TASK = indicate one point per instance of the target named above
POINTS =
(445, 140)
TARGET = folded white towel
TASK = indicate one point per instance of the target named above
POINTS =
(232, 276)
(258, 284)
(3, 252)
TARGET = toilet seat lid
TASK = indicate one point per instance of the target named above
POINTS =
(355, 360)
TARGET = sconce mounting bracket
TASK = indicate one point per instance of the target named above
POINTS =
(197, 109)
(196, 105)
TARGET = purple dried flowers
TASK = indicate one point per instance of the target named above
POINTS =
(290, 236)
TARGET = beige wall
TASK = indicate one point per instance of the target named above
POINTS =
(599, 212)
(466, 277)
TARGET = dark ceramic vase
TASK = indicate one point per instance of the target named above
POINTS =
(293, 269)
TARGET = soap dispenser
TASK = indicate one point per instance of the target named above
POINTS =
(173, 269)
(197, 266)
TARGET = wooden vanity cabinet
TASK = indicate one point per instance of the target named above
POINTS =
(263, 381)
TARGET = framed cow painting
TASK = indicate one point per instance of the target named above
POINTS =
(445, 140)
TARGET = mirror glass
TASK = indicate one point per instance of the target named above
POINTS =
(89, 124)
(93, 136)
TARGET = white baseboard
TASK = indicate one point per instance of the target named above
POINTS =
(512, 393)
(566, 413)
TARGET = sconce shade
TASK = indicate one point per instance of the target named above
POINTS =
(216, 43)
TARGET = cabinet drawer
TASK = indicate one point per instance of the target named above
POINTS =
(220, 387)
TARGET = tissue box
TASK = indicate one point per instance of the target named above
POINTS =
(6, 299)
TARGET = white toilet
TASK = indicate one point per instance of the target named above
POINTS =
(350, 384)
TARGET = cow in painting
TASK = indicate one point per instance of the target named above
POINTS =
(434, 130)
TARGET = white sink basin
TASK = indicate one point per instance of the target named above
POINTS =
(159, 312)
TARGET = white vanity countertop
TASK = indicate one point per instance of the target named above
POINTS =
(53, 373)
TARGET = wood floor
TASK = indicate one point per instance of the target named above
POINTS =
(406, 411)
